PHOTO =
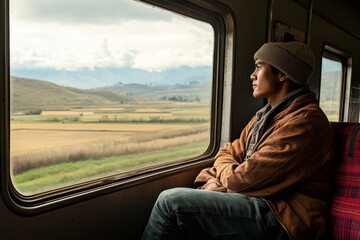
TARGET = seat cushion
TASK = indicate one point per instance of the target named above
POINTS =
(345, 205)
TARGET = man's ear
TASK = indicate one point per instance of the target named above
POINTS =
(282, 76)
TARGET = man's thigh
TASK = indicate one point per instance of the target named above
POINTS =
(203, 214)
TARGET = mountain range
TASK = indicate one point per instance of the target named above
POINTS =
(104, 77)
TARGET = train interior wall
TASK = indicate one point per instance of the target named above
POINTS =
(123, 214)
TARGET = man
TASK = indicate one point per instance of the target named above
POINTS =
(272, 182)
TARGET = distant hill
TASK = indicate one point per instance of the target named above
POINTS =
(103, 77)
(193, 91)
(28, 94)
(330, 86)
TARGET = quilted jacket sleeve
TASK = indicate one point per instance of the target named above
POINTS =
(234, 154)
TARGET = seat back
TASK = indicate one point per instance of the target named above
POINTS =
(345, 203)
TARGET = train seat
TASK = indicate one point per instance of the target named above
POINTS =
(345, 201)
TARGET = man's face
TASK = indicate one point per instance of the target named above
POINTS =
(265, 83)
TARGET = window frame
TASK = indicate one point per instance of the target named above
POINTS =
(220, 18)
(335, 54)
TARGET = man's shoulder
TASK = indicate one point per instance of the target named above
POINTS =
(310, 114)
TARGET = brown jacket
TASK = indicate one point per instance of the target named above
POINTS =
(289, 168)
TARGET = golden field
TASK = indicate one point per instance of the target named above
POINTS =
(55, 137)
(28, 137)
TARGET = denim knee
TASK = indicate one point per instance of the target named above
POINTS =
(170, 200)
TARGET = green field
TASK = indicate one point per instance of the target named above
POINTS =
(54, 176)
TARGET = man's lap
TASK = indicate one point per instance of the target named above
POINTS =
(203, 214)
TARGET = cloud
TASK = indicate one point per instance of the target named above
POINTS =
(85, 11)
(141, 42)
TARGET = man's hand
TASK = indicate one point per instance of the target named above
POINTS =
(214, 185)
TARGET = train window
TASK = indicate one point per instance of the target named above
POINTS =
(330, 92)
(334, 90)
(105, 88)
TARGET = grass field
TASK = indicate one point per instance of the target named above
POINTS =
(59, 148)
(59, 175)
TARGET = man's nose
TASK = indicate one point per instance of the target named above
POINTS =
(252, 76)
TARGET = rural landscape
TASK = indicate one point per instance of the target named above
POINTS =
(65, 135)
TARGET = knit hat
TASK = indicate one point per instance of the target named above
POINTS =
(295, 59)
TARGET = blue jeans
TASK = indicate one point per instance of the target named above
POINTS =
(185, 213)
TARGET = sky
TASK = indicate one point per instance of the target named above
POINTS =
(87, 34)
(329, 65)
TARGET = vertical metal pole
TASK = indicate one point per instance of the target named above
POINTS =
(269, 20)
(308, 22)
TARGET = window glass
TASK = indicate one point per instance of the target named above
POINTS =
(330, 91)
(104, 87)
(354, 109)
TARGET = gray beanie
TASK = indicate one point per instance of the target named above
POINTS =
(295, 59)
